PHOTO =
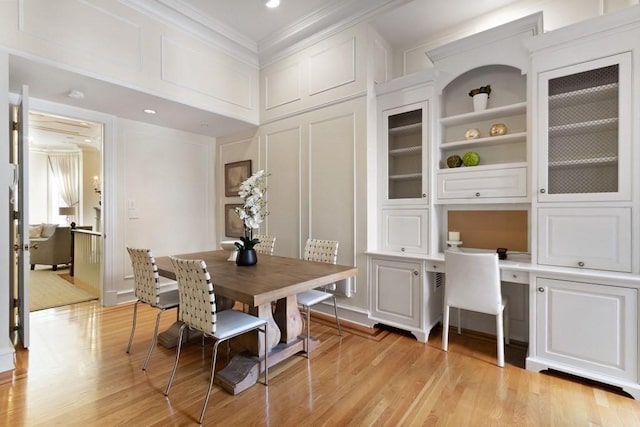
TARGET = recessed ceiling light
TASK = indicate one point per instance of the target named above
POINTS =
(273, 3)
(75, 94)
(149, 111)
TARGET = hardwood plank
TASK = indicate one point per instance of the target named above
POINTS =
(77, 373)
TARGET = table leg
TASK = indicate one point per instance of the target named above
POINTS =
(288, 318)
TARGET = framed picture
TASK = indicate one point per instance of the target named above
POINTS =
(233, 226)
(234, 174)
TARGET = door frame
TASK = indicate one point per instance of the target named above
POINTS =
(109, 167)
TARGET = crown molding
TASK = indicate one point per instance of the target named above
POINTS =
(334, 17)
(179, 14)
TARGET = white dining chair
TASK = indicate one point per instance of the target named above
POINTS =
(198, 312)
(147, 291)
(266, 245)
(472, 282)
(320, 251)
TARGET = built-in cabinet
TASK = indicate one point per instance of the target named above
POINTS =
(405, 295)
(587, 328)
(584, 318)
(569, 101)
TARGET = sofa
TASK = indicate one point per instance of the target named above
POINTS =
(50, 244)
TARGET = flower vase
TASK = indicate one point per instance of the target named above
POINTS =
(480, 101)
(246, 257)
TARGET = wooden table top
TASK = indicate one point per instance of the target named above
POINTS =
(272, 278)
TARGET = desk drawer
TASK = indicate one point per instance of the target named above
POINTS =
(514, 276)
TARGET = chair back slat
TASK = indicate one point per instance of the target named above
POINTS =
(145, 275)
(321, 251)
(197, 300)
(266, 245)
(472, 281)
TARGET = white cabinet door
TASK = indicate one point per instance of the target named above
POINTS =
(480, 184)
(584, 131)
(596, 238)
(588, 326)
(396, 292)
(405, 230)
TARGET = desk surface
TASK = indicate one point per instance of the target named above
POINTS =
(271, 279)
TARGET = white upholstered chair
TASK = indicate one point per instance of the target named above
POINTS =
(147, 291)
(320, 251)
(266, 245)
(198, 312)
(472, 282)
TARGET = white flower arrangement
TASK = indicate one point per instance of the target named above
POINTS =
(254, 207)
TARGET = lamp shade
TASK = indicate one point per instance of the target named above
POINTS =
(67, 211)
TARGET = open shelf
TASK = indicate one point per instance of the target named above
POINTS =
(484, 142)
(491, 113)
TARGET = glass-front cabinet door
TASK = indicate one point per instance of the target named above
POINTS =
(405, 131)
(585, 131)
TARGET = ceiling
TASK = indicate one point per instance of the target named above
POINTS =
(252, 28)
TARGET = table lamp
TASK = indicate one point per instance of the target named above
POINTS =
(68, 211)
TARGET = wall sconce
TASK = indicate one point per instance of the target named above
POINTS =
(67, 211)
(96, 184)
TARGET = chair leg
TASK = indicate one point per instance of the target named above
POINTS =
(133, 325)
(308, 312)
(154, 340)
(445, 328)
(506, 323)
(335, 310)
(500, 339)
(175, 364)
(212, 376)
(266, 354)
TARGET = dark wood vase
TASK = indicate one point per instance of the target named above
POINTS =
(246, 257)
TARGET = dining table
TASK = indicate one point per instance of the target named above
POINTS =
(268, 289)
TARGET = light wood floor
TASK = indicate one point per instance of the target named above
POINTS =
(77, 373)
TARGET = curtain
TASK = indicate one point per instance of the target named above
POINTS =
(65, 168)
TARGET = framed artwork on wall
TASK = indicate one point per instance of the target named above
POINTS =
(233, 226)
(234, 174)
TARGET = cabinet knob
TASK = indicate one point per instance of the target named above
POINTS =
(415, 272)
(477, 194)
(580, 264)
(541, 289)
(401, 249)
(542, 190)
(435, 267)
(424, 195)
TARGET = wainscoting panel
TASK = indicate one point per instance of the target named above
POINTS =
(282, 86)
(332, 67)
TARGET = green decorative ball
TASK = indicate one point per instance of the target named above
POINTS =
(454, 161)
(471, 158)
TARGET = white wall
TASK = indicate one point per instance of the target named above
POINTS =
(165, 195)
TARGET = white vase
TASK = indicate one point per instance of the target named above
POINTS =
(480, 101)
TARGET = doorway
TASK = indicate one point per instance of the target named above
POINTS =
(65, 191)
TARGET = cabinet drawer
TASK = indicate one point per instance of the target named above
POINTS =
(478, 184)
(514, 276)
(597, 238)
(404, 230)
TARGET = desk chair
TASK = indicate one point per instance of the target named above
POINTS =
(320, 251)
(198, 311)
(147, 291)
(266, 245)
(472, 282)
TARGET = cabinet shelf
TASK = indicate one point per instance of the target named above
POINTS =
(583, 127)
(405, 177)
(408, 151)
(491, 113)
(592, 94)
(480, 168)
(405, 129)
(485, 142)
(594, 161)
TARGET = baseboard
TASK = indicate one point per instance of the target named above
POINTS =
(7, 358)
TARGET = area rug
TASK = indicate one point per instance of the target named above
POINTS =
(47, 290)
